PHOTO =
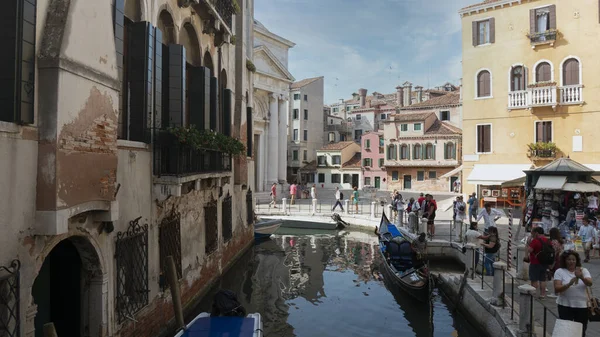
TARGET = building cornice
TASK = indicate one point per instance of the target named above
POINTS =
(275, 37)
(484, 7)
(275, 61)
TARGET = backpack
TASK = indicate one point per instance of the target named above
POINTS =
(547, 253)
(496, 247)
(341, 196)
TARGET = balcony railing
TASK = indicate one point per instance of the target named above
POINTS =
(518, 99)
(547, 37)
(226, 9)
(571, 94)
(546, 154)
(543, 96)
(171, 158)
(338, 127)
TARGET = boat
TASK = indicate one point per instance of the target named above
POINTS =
(264, 228)
(306, 222)
(227, 326)
(401, 267)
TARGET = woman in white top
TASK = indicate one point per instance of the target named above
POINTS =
(313, 191)
(570, 281)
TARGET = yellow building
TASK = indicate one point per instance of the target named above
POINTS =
(529, 82)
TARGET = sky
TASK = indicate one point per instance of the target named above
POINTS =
(371, 44)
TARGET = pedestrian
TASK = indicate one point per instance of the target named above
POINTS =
(587, 235)
(570, 282)
(473, 207)
(293, 190)
(313, 191)
(355, 198)
(490, 216)
(273, 196)
(399, 202)
(421, 202)
(339, 196)
(431, 206)
(460, 215)
(538, 264)
(490, 249)
(557, 243)
(473, 236)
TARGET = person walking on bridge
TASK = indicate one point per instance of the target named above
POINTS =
(339, 196)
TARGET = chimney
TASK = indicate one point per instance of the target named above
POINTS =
(399, 96)
(362, 93)
(419, 90)
(407, 93)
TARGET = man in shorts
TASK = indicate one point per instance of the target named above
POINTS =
(537, 271)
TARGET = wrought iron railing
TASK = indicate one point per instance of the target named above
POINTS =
(542, 153)
(131, 256)
(172, 158)
(227, 218)
(212, 227)
(226, 10)
(9, 300)
(541, 37)
(169, 242)
(249, 207)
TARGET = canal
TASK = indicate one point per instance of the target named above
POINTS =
(329, 285)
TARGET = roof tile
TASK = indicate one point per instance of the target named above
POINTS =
(304, 82)
(354, 162)
(452, 98)
(336, 146)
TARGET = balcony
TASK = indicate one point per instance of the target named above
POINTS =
(571, 94)
(543, 96)
(542, 38)
(542, 151)
(536, 96)
(221, 10)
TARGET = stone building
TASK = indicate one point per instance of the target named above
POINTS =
(98, 190)
(338, 165)
(373, 157)
(272, 82)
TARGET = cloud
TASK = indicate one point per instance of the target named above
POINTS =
(373, 44)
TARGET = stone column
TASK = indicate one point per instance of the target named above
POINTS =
(373, 205)
(471, 259)
(525, 313)
(522, 272)
(272, 154)
(346, 206)
(498, 291)
(282, 136)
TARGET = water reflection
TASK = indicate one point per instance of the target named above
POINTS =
(329, 285)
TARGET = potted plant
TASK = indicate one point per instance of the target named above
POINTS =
(542, 84)
(542, 149)
(203, 140)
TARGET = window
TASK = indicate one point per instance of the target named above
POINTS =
(367, 162)
(383, 116)
(347, 179)
(295, 155)
(543, 132)
(417, 151)
(347, 108)
(305, 155)
(296, 97)
(306, 98)
(484, 32)
(337, 160)
(17, 65)
(445, 115)
(417, 127)
(331, 121)
(449, 151)
(305, 114)
(420, 175)
(432, 174)
(381, 161)
(336, 178)
(403, 127)
(331, 137)
(367, 143)
(295, 114)
(357, 134)
(392, 155)
(322, 160)
(335, 109)
(429, 151)
(484, 138)
(517, 78)
(295, 134)
(381, 141)
(305, 135)
(571, 72)
(358, 117)
(542, 19)
(543, 72)
(404, 152)
(367, 181)
(381, 150)
(310, 178)
(484, 84)
(321, 177)
(394, 175)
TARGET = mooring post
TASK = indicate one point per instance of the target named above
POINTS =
(49, 330)
(525, 309)
(498, 291)
(175, 292)
(346, 206)
(284, 205)
(373, 205)
(470, 259)
(521, 270)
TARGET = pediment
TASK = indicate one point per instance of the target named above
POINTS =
(267, 63)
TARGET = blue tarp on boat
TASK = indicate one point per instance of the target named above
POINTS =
(221, 327)
(386, 227)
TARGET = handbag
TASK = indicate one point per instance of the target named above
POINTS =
(593, 306)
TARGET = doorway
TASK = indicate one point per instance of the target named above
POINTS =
(355, 180)
(377, 182)
(452, 180)
(407, 182)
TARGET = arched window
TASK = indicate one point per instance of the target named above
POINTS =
(517, 78)
(429, 151)
(570, 72)
(392, 153)
(449, 151)
(484, 84)
(418, 151)
(404, 152)
(543, 72)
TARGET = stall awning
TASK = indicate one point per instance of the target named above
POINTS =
(581, 187)
(496, 174)
(515, 182)
(550, 182)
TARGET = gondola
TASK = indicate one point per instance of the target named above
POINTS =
(401, 267)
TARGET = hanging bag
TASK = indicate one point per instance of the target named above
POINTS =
(593, 306)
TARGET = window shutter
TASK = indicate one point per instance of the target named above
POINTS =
(227, 95)
(158, 78)
(453, 151)
(139, 76)
(118, 23)
(199, 104)
(176, 92)
(539, 132)
(532, 23)
(479, 138)
(423, 150)
(488, 138)
(8, 62)
(249, 134)
(474, 31)
(214, 103)
(552, 16)
(433, 149)
(446, 150)
(492, 30)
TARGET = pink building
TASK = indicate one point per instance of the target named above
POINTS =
(373, 156)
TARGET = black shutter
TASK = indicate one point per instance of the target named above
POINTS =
(227, 94)
(139, 75)
(199, 101)
(119, 22)
(9, 60)
(214, 103)
(249, 135)
(158, 78)
(176, 81)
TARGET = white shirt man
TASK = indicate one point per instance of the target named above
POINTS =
(489, 215)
